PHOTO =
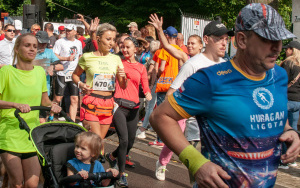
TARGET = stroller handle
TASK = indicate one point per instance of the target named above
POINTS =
(23, 124)
(92, 176)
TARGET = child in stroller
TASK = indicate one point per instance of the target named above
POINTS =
(87, 151)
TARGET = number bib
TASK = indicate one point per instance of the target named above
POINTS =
(68, 76)
(104, 82)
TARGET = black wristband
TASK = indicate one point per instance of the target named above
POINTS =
(293, 130)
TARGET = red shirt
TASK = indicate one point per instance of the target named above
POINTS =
(82, 41)
(184, 48)
(136, 73)
(2, 36)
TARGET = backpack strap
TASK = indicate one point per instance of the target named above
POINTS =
(92, 167)
(72, 168)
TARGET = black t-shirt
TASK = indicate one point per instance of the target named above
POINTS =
(292, 70)
(52, 42)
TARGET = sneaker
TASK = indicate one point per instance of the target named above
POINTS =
(61, 119)
(283, 166)
(101, 159)
(160, 171)
(80, 123)
(140, 134)
(128, 162)
(155, 143)
(294, 164)
(122, 182)
(112, 163)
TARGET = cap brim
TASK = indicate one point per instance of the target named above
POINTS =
(43, 41)
(223, 32)
(275, 34)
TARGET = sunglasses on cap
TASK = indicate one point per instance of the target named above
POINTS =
(10, 30)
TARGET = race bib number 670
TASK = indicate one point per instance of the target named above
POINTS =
(104, 82)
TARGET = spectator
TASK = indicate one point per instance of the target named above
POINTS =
(7, 46)
(145, 56)
(35, 28)
(46, 58)
(2, 33)
(136, 34)
(80, 36)
(144, 32)
(49, 28)
(151, 30)
(18, 26)
(180, 42)
(61, 29)
(132, 27)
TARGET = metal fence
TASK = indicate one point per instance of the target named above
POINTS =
(192, 24)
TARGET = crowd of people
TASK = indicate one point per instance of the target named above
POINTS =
(243, 108)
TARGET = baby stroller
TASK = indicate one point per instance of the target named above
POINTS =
(54, 143)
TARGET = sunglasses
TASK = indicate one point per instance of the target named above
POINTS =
(10, 30)
(37, 29)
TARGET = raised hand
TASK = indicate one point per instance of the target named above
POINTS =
(94, 24)
(155, 21)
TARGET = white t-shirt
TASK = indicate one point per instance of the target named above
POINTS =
(64, 48)
(7, 51)
(191, 66)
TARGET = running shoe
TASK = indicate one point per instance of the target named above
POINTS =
(294, 164)
(61, 119)
(129, 163)
(155, 143)
(112, 163)
(101, 159)
(50, 118)
(283, 166)
(160, 171)
(122, 182)
(140, 134)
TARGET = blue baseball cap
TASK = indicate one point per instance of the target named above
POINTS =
(172, 32)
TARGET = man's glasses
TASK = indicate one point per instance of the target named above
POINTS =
(10, 30)
(37, 29)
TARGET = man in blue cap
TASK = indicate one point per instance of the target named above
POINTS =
(240, 106)
(168, 64)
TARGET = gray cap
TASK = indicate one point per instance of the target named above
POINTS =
(264, 21)
(42, 37)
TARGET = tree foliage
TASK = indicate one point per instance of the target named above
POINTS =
(122, 12)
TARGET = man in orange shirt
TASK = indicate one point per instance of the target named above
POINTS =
(167, 72)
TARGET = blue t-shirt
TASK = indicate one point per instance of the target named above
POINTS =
(78, 165)
(240, 118)
(143, 57)
(49, 57)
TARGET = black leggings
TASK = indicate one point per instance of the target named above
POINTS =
(125, 121)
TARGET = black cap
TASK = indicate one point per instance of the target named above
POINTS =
(216, 28)
(293, 44)
(42, 37)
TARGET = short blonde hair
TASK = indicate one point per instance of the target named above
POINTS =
(93, 141)
(105, 27)
(295, 57)
(154, 45)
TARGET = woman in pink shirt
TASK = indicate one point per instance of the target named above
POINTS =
(126, 116)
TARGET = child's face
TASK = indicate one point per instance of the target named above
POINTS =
(83, 152)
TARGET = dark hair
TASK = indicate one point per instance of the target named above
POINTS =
(144, 32)
(49, 26)
(7, 25)
(80, 31)
(134, 41)
(149, 39)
